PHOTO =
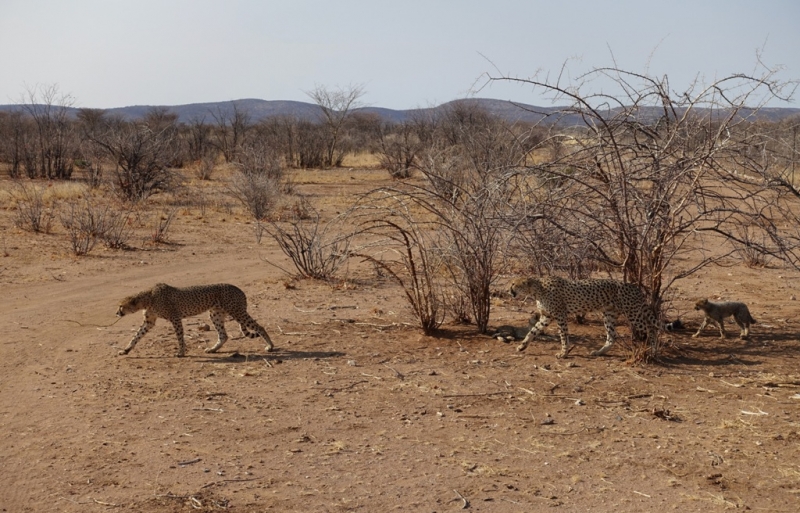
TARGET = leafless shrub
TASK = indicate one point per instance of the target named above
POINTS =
(32, 213)
(257, 182)
(406, 251)
(655, 176)
(459, 307)
(143, 153)
(412, 273)
(205, 167)
(158, 235)
(751, 247)
(317, 251)
(55, 133)
(470, 186)
(85, 223)
(399, 146)
(336, 108)
(297, 208)
(118, 230)
(258, 193)
(232, 125)
(91, 154)
(258, 230)
(541, 249)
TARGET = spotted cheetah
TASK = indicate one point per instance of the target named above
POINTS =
(717, 312)
(558, 297)
(173, 304)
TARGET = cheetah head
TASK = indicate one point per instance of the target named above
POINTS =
(522, 286)
(701, 304)
(130, 305)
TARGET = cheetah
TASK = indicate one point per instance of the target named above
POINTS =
(558, 297)
(173, 304)
(717, 312)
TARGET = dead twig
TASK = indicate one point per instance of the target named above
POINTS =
(297, 333)
(776, 384)
(347, 387)
(107, 503)
(189, 462)
(396, 373)
(377, 326)
(570, 433)
(475, 395)
(465, 503)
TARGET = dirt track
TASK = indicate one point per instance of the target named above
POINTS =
(357, 411)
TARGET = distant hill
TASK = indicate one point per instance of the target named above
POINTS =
(261, 109)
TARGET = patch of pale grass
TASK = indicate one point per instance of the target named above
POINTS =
(539, 444)
(341, 176)
(337, 446)
(363, 159)
(6, 198)
(730, 424)
(790, 472)
(51, 192)
(56, 192)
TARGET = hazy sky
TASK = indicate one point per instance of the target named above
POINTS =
(405, 53)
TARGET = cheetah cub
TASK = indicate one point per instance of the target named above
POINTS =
(173, 304)
(717, 312)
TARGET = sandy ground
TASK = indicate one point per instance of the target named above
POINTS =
(355, 410)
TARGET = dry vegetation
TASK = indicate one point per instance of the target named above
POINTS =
(382, 288)
(357, 410)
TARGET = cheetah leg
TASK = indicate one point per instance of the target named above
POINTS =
(721, 325)
(178, 325)
(702, 327)
(149, 322)
(609, 321)
(537, 328)
(218, 319)
(254, 329)
(563, 332)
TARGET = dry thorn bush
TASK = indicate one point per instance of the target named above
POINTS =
(158, 235)
(33, 214)
(317, 250)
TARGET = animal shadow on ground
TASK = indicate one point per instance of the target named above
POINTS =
(238, 357)
(732, 351)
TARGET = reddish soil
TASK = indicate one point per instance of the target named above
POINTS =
(355, 410)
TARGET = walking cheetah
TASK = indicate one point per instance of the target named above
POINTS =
(717, 312)
(558, 297)
(173, 304)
